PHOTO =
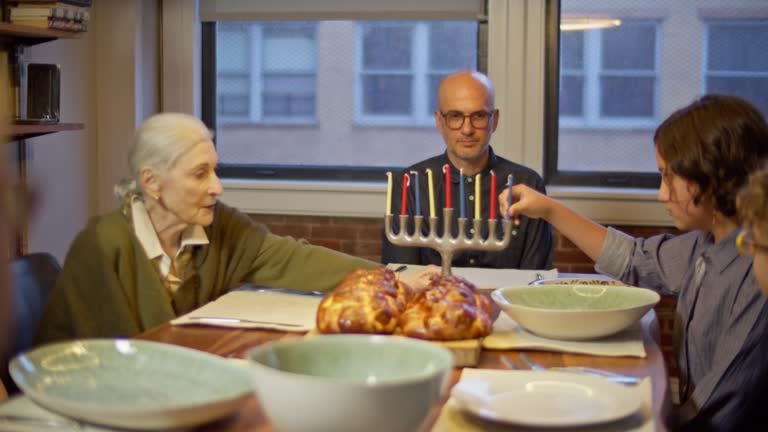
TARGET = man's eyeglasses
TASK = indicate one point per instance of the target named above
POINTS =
(455, 119)
(747, 245)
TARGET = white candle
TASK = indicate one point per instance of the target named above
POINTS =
(431, 194)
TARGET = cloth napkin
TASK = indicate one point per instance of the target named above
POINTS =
(489, 279)
(507, 334)
(453, 419)
(273, 310)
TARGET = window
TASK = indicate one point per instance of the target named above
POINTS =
(737, 62)
(266, 72)
(330, 99)
(401, 64)
(609, 77)
(616, 84)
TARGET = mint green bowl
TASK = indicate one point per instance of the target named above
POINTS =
(575, 312)
(350, 382)
(131, 384)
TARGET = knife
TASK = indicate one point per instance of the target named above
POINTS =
(224, 321)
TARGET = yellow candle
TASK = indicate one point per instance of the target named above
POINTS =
(389, 194)
(431, 194)
(477, 196)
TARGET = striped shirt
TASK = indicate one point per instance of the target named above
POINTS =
(722, 316)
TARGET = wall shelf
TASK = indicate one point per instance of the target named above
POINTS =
(22, 35)
(25, 131)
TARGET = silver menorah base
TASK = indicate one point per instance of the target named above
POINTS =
(447, 245)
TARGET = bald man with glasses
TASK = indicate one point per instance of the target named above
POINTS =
(466, 118)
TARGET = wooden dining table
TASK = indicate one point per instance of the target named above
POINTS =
(234, 343)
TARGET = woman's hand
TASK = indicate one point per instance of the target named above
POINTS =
(527, 202)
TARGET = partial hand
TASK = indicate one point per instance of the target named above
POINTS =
(527, 202)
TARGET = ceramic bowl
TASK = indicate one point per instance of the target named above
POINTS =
(575, 312)
(350, 382)
(131, 384)
(579, 281)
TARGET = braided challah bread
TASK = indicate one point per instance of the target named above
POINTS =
(375, 301)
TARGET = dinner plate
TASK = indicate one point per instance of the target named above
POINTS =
(545, 398)
(131, 383)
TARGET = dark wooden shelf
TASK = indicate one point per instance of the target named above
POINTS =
(25, 131)
(17, 34)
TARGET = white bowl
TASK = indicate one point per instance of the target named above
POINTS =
(350, 382)
(575, 312)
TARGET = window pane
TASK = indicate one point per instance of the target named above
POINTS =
(627, 97)
(387, 46)
(452, 45)
(387, 94)
(572, 50)
(289, 95)
(336, 94)
(629, 46)
(734, 47)
(754, 90)
(571, 96)
(232, 48)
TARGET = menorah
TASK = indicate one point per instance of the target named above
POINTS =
(447, 244)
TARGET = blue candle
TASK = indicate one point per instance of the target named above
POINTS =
(415, 177)
(510, 179)
(461, 193)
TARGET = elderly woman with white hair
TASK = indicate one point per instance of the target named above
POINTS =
(172, 246)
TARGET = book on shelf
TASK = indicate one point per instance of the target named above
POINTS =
(52, 3)
(53, 23)
(75, 14)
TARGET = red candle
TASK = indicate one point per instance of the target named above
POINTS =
(493, 195)
(447, 171)
(404, 201)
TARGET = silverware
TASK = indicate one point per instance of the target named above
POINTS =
(610, 376)
(281, 290)
(508, 362)
(400, 268)
(223, 320)
(539, 277)
(40, 421)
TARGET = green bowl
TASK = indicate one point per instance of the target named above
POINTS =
(350, 382)
(575, 312)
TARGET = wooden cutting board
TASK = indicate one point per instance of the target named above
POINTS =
(466, 352)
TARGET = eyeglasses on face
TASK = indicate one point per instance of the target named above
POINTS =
(455, 119)
(747, 245)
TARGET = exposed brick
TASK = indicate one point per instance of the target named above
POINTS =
(269, 219)
(330, 244)
(339, 232)
(296, 231)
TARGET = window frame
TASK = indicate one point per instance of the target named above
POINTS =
(515, 31)
(603, 179)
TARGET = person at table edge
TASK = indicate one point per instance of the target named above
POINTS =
(172, 246)
(467, 118)
(705, 152)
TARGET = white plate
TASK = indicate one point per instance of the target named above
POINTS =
(545, 398)
(131, 383)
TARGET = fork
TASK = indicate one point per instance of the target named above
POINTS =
(611, 376)
(222, 320)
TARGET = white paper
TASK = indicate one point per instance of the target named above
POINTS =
(489, 279)
(274, 310)
(508, 334)
(452, 419)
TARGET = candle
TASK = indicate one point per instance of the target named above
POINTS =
(389, 193)
(403, 204)
(415, 175)
(510, 179)
(493, 195)
(431, 194)
(447, 172)
(477, 196)
(461, 193)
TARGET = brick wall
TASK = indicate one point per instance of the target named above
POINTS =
(362, 237)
